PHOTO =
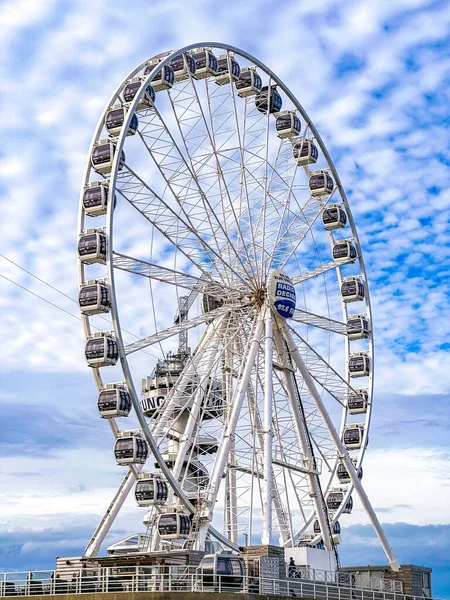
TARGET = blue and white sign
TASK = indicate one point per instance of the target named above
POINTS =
(281, 293)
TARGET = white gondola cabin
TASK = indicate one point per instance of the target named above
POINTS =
(249, 82)
(334, 217)
(224, 75)
(359, 364)
(336, 497)
(130, 448)
(94, 297)
(357, 401)
(148, 99)
(320, 183)
(115, 118)
(92, 246)
(103, 156)
(342, 473)
(352, 289)
(305, 152)
(268, 100)
(222, 571)
(151, 490)
(183, 66)
(174, 526)
(205, 63)
(101, 350)
(353, 436)
(357, 327)
(96, 197)
(113, 401)
(287, 124)
(344, 251)
(163, 78)
(335, 528)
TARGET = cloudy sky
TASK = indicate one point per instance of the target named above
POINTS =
(374, 77)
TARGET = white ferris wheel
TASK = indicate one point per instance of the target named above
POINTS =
(209, 195)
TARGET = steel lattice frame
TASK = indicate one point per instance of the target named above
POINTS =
(233, 205)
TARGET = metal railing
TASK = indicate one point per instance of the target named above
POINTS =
(178, 579)
(347, 579)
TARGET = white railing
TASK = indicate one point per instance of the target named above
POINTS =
(178, 579)
(347, 579)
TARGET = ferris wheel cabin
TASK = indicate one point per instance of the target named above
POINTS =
(113, 401)
(336, 528)
(249, 82)
(223, 569)
(148, 99)
(205, 63)
(334, 217)
(352, 289)
(357, 327)
(115, 119)
(344, 251)
(95, 198)
(305, 152)
(130, 448)
(342, 473)
(163, 79)
(287, 124)
(151, 490)
(359, 364)
(357, 402)
(224, 75)
(103, 156)
(183, 66)
(320, 183)
(92, 246)
(268, 100)
(94, 298)
(174, 526)
(101, 350)
(336, 497)
(353, 436)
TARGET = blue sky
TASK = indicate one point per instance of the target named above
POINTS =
(374, 77)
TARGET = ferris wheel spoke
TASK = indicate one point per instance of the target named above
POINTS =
(300, 225)
(174, 227)
(201, 284)
(182, 181)
(281, 188)
(175, 329)
(322, 372)
(319, 270)
(199, 139)
(224, 126)
(308, 318)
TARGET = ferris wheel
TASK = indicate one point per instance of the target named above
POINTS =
(210, 208)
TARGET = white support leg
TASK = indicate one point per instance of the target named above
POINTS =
(342, 451)
(108, 519)
(267, 426)
(228, 433)
(301, 429)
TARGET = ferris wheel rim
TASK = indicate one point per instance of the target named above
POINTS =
(113, 178)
